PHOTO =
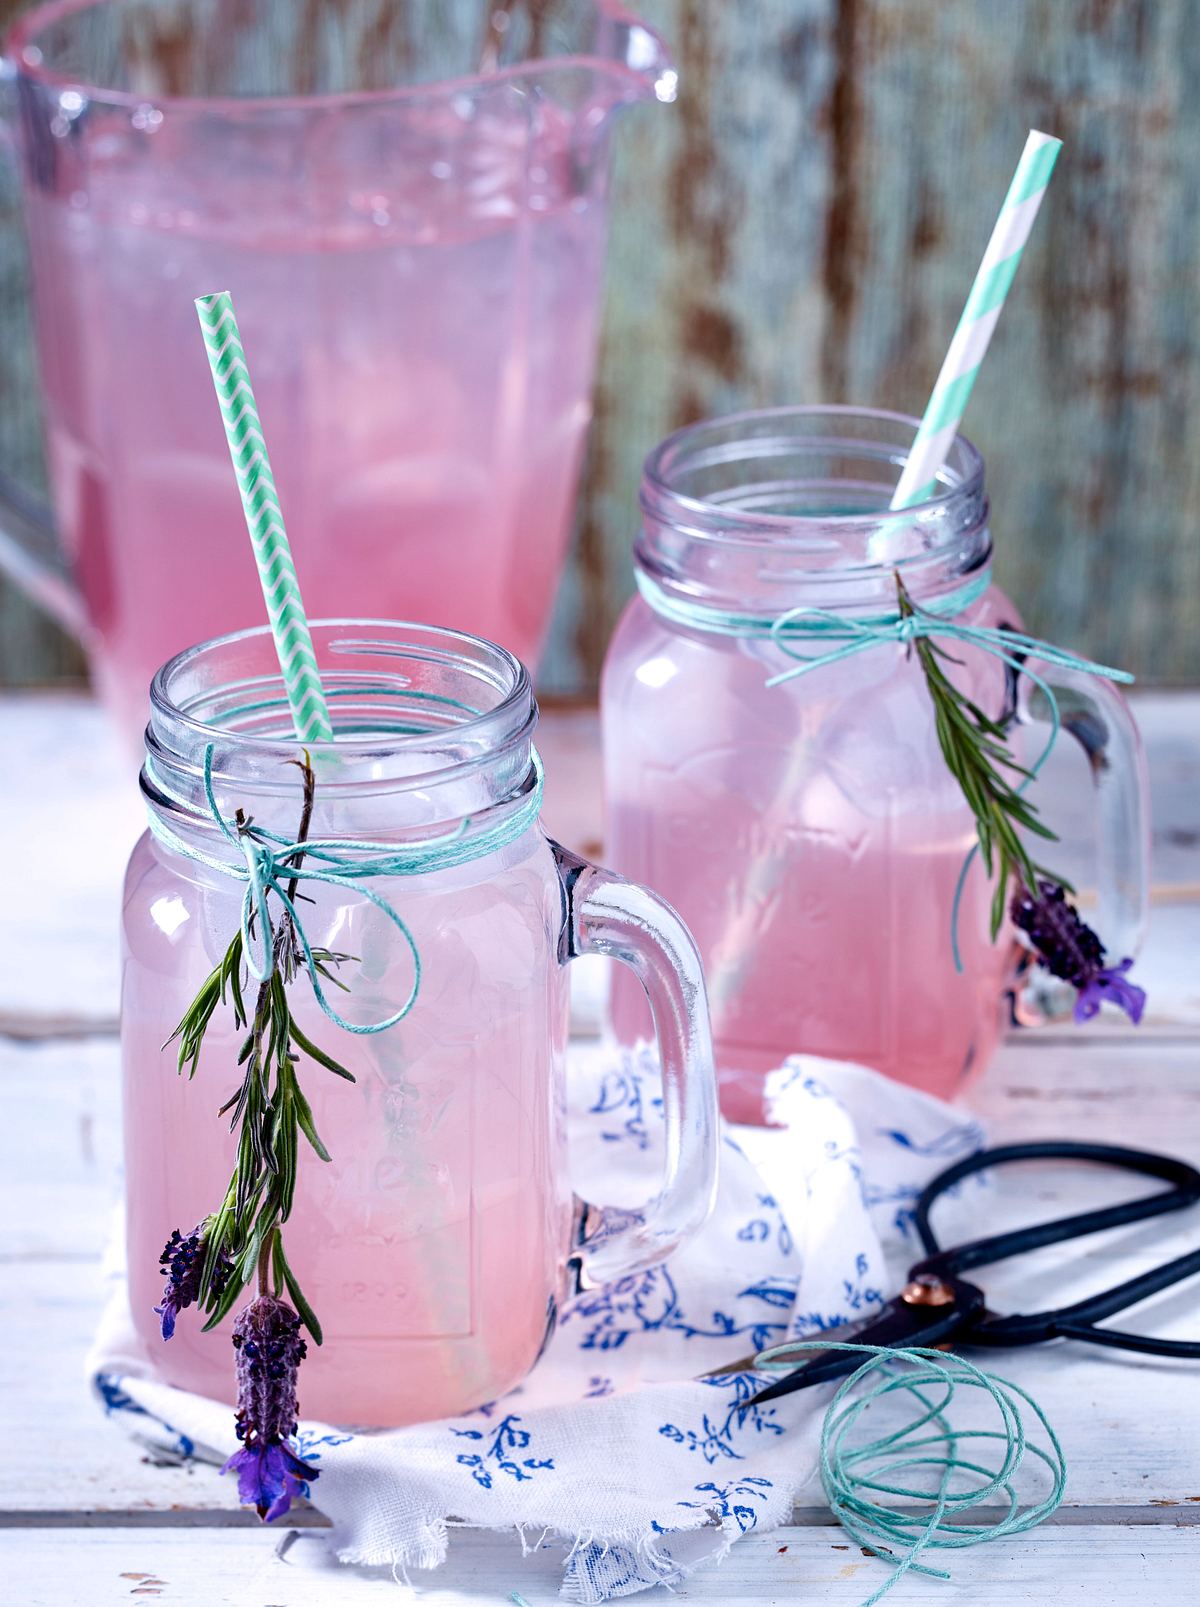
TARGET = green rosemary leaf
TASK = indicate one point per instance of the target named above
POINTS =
(334, 958)
(235, 982)
(216, 1237)
(245, 1051)
(249, 1162)
(281, 1014)
(974, 747)
(1000, 897)
(308, 1127)
(277, 1276)
(190, 1031)
(225, 1302)
(330, 977)
(287, 1150)
(272, 1127)
(1031, 821)
(319, 1055)
(305, 1311)
(247, 1262)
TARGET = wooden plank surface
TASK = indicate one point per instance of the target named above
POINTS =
(1077, 1567)
(802, 226)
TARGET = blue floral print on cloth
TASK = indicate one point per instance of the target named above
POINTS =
(614, 1449)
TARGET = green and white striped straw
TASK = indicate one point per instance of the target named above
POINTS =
(264, 518)
(944, 413)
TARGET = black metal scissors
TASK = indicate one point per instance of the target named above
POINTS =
(938, 1307)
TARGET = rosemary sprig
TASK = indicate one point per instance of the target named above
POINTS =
(268, 1110)
(977, 756)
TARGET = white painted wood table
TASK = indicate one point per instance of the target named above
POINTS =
(84, 1519)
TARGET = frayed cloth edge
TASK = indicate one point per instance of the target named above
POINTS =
(429, 1547)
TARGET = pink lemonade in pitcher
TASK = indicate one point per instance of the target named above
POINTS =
(424, 421)
(415, 249)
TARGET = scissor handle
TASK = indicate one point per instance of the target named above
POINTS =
(1184, 1191)
(1079, 1321)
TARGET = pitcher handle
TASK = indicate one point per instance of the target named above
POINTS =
(1096, 714)
(28, 532)
(27, 536)
(604, 914)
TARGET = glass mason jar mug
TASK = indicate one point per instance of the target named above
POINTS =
(809, 832)
(435, 1244)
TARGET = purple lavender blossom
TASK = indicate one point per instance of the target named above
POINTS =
(269, 1349)
(1069, 949)
(182, 1261)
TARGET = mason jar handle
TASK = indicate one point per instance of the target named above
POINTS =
(1096, 714)
(604, 914)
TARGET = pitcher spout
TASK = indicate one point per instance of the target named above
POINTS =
(625, 59)
(634, 49)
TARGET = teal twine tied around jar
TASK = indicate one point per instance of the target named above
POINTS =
(1012, 648)
(856, 1473)
(799, 629)
(267, 864)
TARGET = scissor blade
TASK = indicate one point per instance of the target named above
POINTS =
(897, 1325)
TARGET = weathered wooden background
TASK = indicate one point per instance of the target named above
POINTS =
(803, 225)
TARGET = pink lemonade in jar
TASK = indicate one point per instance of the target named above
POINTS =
(840, 946)
(431, 1246)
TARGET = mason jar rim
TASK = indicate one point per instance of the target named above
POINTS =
(174, 725)
(718, 521)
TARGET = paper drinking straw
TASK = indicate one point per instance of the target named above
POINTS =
(736, 955)
(952, 389)
(264, 518)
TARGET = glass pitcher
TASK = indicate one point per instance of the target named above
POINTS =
(810, 832)
(408, 203)
(437, 1242)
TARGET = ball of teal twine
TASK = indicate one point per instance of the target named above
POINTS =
(904, 1492)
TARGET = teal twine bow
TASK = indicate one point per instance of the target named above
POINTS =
(1012, 648)
(856, 1475)
(267, 865)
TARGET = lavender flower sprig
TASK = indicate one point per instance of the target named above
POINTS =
(182, 1261)
(1070, 950)
(243, 1240)
(269, 1349)
(976, 753)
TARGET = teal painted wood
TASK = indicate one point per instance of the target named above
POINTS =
(32, 650)
(803, 226)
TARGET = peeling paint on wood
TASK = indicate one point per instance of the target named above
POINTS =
(803, 226)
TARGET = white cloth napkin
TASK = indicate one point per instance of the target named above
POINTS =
(614, 1446)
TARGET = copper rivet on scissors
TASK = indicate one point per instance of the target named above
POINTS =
(927, 1292)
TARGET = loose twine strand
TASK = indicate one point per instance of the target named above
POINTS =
(863, 1479)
